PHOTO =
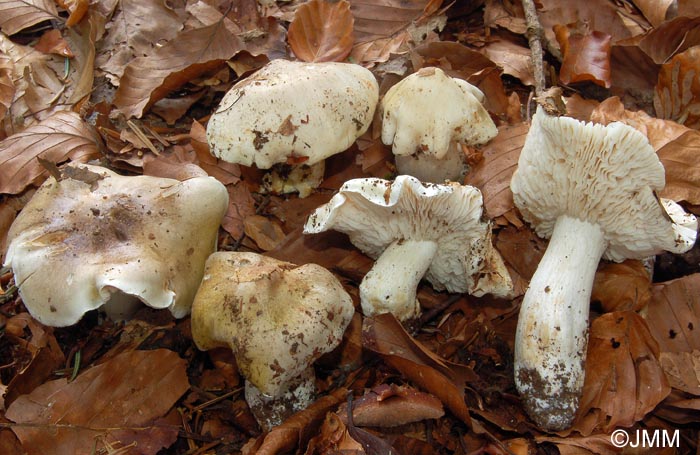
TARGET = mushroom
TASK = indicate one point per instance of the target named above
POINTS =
(95, 238)
(426, 116)
(278, 318)
(413, 230)
(293, 113)
(590, 189)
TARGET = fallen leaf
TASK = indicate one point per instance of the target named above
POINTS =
(671, 37)
(322, 31)
(513, 57)
(116, 403)
(240, 205)
(522, 250)
(179, 164)
(595, 444)
(265, 232)
(381, 27)
(52, 42)
(333, 437)
(384, 335)
(16, 15)
(674, 314)
(149, 79)
(492, 175)
(677, 94)
(390, 405)
(656, 11)
(682, 370)
(621, 287)
(586, 55)
(298, 428)
(624, 380)
(76, 10)
(7, 88)
(63, 136)
(226, 173)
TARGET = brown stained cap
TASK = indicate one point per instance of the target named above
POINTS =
(81, 241)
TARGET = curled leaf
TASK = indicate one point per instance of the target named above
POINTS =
(61, 137)
(586, 56)
(16, 15)
(322, 31)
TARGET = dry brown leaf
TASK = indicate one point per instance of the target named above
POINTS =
(76, 9)
(674, 314)
(596, 444)
(149, 79)
(633, 71)
(580, 108)
(514, 58)
(682, 370)
(16, 15)
(586, 55)
(7, 88)
(37, 355)
(624, 380)
(492, 175)
(240, 205)
(381, 27)
(509, 15)
(623, 286)
(265, 232)
(671, 37)
(522, 250)
(226, 173)
(333, 437)
(179, 164)
(52, 42)
(656, 11)
(298, 428)
(322, 31)
(64, 136)
(384, 335)
(677, 93)
(117, 403)
(137, 28)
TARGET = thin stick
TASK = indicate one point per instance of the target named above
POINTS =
(534, 36)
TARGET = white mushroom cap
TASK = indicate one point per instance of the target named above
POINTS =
(293, 109)
(427, 111)
(607, 175)
(405, 217)
(277, 317)
(78, 245)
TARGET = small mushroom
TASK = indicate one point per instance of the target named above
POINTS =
(278, 318)
(293, 113)
(99, 238)
(426, 116)
(415, 230)
(590, 189)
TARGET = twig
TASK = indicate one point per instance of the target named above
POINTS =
(534, 35)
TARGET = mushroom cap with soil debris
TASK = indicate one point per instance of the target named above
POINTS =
(97, 238)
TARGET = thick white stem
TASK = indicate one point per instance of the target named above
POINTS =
(552, 333)
(390, 286)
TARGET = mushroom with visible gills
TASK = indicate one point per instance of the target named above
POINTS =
(415, 230)
(293, 113)
(278, 318)
(426, 117)
(98, 239)
(590, 189)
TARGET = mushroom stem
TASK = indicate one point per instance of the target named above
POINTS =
(552, 333)
(271, 411)
(390, 286)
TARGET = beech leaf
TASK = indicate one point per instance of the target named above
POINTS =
(16, 15)
(674, 314)
(384, 335)
(492, 175)
(194, 52)
(61, 137)
(586, 56)
(623, 286)
(116, 402)
(677, 94)
(624, 380)
(322, 31)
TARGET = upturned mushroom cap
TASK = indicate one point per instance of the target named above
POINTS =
(376, 213)
(277, 317)
(607, 175)
(82, 241)
(293, 109)
(427, 111)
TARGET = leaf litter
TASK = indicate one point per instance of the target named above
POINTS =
(132, 84)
